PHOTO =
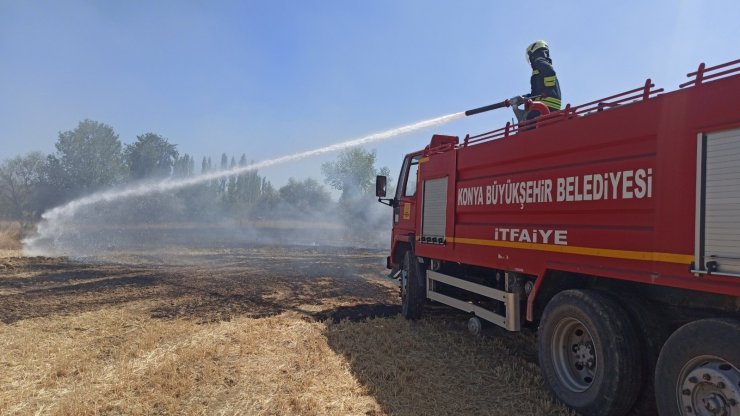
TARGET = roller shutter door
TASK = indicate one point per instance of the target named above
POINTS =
(434, 220)
(722, 202)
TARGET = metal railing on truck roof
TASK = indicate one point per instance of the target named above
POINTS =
(701, 74)
(642, 93)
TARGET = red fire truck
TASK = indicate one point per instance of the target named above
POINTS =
(613, 227)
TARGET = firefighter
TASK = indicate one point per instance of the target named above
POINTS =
(544, 81)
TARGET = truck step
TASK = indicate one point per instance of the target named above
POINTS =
(510, 321)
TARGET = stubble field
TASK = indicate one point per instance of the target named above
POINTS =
(244, 329)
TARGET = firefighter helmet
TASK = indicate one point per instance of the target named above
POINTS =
(539, 44)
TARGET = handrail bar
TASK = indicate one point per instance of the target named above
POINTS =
(712, 68)
(644, 92)
(700, 75)
(648, 84)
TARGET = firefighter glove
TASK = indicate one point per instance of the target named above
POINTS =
(516, 100)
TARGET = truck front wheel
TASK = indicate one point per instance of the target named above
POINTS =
(413, 287)
(589, 353)
(698, 371)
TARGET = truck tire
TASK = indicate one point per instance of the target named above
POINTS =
(589, 353)
(698, 371)
(413, 287)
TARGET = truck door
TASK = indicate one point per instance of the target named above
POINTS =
(404, 211)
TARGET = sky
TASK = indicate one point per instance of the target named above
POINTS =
(275, 77)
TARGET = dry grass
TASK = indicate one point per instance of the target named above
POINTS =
(245, 331)
(120, 362)
(434, 367)
(10, 236)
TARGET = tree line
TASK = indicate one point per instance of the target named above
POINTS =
(91, 158)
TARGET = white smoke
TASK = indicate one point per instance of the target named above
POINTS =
(56, 222)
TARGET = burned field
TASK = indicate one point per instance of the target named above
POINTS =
(245, 329)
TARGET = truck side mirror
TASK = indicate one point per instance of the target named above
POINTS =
(380, 186)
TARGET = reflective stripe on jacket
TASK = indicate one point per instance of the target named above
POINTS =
(545, 83)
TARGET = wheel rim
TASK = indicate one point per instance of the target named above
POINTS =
(474, 325)
(574, 356)
(709, 386)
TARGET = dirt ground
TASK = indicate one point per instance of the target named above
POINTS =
(245, 329)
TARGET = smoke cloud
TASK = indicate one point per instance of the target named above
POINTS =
(170, 212)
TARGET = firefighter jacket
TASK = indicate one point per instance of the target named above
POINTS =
(545, 83)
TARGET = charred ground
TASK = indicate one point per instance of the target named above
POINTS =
(244, 329)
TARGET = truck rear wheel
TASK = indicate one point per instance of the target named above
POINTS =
(698, 371)
(589, 353)
(413, 287)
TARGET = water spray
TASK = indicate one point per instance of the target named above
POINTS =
(53, 222)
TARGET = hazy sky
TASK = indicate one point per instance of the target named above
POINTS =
(268, 78)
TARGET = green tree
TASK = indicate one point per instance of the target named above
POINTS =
(307, 195)
(55, 188)
(204, 166)
(151, 155)
(184, 166)
(353, 173)
(20, 180)
(222, 182)
(89, 157)
(230, 196)
(264, 205)
(249, 184)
